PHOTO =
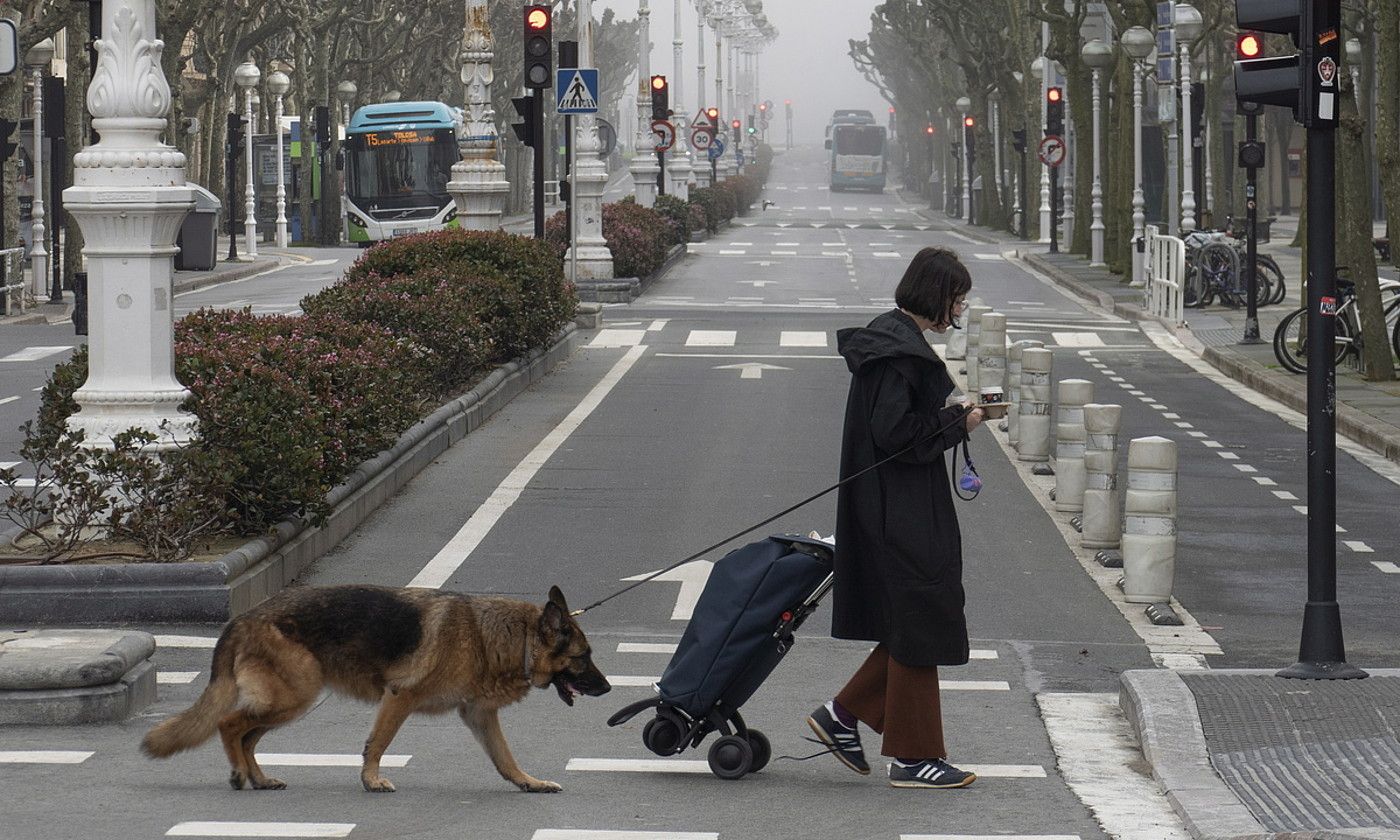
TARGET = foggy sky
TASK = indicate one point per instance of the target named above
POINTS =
(807, 64)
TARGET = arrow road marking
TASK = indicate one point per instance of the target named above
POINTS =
(692, 578)
(751, 370)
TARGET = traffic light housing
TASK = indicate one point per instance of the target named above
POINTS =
(1252, 154)
(321, 116)
(539, 47)
(525, 130)
(234, 141)
(1018, 140)
(1055, 111)
(1308, 81)
(660, 98)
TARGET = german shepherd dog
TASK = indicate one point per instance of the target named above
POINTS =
(410, 650)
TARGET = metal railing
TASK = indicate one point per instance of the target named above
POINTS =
(14, 296)
(1166, 277)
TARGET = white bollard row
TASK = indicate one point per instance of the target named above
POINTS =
(974, 338)
(1033, 445)
(957, 342)
(1069, 444)
(1013, 387)
(1149, 521)
(991, 359)
(1103, 510)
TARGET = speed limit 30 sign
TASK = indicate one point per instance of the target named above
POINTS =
(701, 138)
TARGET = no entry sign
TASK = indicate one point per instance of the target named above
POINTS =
(1052, 150)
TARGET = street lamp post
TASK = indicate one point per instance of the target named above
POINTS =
(38, 59)
(278, 84)
(680, 160)
(644, 165)
(1039, 70)
(590, 249)
(1353, 54)
(1188, 29)
(247, 77)
(1140, 45)
(346, 92)
(1099, 56)
(478, 186)
(964, 105)
(995, 100)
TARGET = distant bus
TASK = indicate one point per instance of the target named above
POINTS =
(858, 157)
(398, 160)
(857, 116)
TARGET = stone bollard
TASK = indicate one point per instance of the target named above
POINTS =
(991, 359)
(1013, 386)
(1103, 511)
(974, 341)
(1069, 444)
(1149, 521)
(957, 341)
(1036, 367)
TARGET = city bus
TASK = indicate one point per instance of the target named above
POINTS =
(859, 156)
(398, 160)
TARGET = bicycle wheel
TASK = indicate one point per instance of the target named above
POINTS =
(1291, 345)
(1193, 295)
(1269, 272)
(1221, 265)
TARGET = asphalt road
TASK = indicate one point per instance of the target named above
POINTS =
(710, 403)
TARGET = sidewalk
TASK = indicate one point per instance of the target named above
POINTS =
(1241, 754)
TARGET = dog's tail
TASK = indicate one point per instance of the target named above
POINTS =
(196, 724)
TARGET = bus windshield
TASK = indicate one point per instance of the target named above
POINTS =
(858, 140)
(403, 168)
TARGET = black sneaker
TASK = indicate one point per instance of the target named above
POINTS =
(933, 773)
(844, 740)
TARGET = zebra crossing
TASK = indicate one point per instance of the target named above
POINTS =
(1062, 334)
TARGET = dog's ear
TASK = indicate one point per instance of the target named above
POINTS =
(557, 597)
(554, 621)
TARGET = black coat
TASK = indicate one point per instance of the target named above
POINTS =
(898, 548)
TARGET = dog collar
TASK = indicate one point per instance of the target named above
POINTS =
(529, 682)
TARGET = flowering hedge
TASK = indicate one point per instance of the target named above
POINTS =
(288, 406)
(638, 237)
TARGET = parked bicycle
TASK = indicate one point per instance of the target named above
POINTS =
(1290, 338)
(1214, 269)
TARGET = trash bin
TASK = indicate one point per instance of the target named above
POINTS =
(198, 239)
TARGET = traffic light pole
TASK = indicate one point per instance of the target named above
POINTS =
(1251, 252)
(538, 105)
(1021, 185)
(1054, 210)
(230, 182)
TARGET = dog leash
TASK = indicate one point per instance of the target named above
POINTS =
(960, 418)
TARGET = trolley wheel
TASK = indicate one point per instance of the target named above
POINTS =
(664, 734)
(762, 749)
(731, 757)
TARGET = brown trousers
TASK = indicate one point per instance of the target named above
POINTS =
(900, 703)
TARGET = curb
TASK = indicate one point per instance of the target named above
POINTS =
(238, 581)
(627, 289)
(204, 279)
(1352, 423)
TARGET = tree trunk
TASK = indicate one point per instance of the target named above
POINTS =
(1354, 236)
(1388, 114)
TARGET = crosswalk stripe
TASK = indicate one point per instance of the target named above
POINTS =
(624, 681)
(711, 338)
(645, 647)
(44, 756)
(1386, 566)
(989, 837)
(798, 338)
(176, 677)
(618, 338)
(1077, 339)
(671, 765)
(974, 685)
(34, 354)
(260, 829)
(205, 642)
(584, 834)
(327, 760)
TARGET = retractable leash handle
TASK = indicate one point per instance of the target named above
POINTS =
(960, 418)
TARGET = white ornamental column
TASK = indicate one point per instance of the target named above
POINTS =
(644, 166)
(595, 261)
(678, 161)
(247, 77)
(478, 184)
(129, 198)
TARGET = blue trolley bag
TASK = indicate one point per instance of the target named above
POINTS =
(742, 626)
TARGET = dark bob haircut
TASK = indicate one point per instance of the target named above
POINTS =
(934, 281)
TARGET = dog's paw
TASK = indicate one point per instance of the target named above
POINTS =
(237, 780)
(378, 784)
(532, 785)
(269, 783)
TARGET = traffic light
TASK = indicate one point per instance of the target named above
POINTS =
(539, 46)
(1252, 154)
(713, 114)
(970, 141)
(1055, 111)
(660, 98)
(526, 128)
(234, 142)
(321, 116)
(751, 129)
(7, 145)
(1307, 81)
(1248, 45)
(735, 125)
(928, 130)
(1018, 140)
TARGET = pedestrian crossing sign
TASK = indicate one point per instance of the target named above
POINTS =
(577, 89)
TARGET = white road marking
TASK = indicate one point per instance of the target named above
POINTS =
(989, 256)
(658, 325)
(1157, 407)
(608, 338)
(783, 253)
(969, 240)
(1285, 495)
(8, 465)
(44, 756)
(441, 568)
(982, 653)
(974, 685)
(750, 370)
(624, 681)
(34, 354)
(1386, 566)
(1136, 393)
(8, 400)
(729, 252)
(887, 255)
(787, 244)
(645, 647)
(1025, 303)
(1245, 468)
(667, 765)
(205, 642)
(742, 356)
(989, 837)
(176, 677)
(711, 338)
(327, 760)
(1213, 444)
(692, 578)
(741, 244)
(260, 829)
(1077, 339)
(1229, 456)
(1303, 509)
(589, 834)
(1171, 416)
(796, 338)
(1265, 482)
(1358, 546)
(321, 262)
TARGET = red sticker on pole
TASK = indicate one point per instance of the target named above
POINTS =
(1329, 306)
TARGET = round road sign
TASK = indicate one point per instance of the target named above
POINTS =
(1052, 150)
(665, 132)
(701, 138)
(716, 149)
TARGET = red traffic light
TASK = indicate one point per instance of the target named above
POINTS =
(969, 121)
(537, 18)
(712, 113)
(1054, 94)
(763, 106)
(928, 129)
(1248, 45)
(735, 124)
(658, 82)
(787, 101)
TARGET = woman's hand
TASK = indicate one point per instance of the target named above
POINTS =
(974, 417)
